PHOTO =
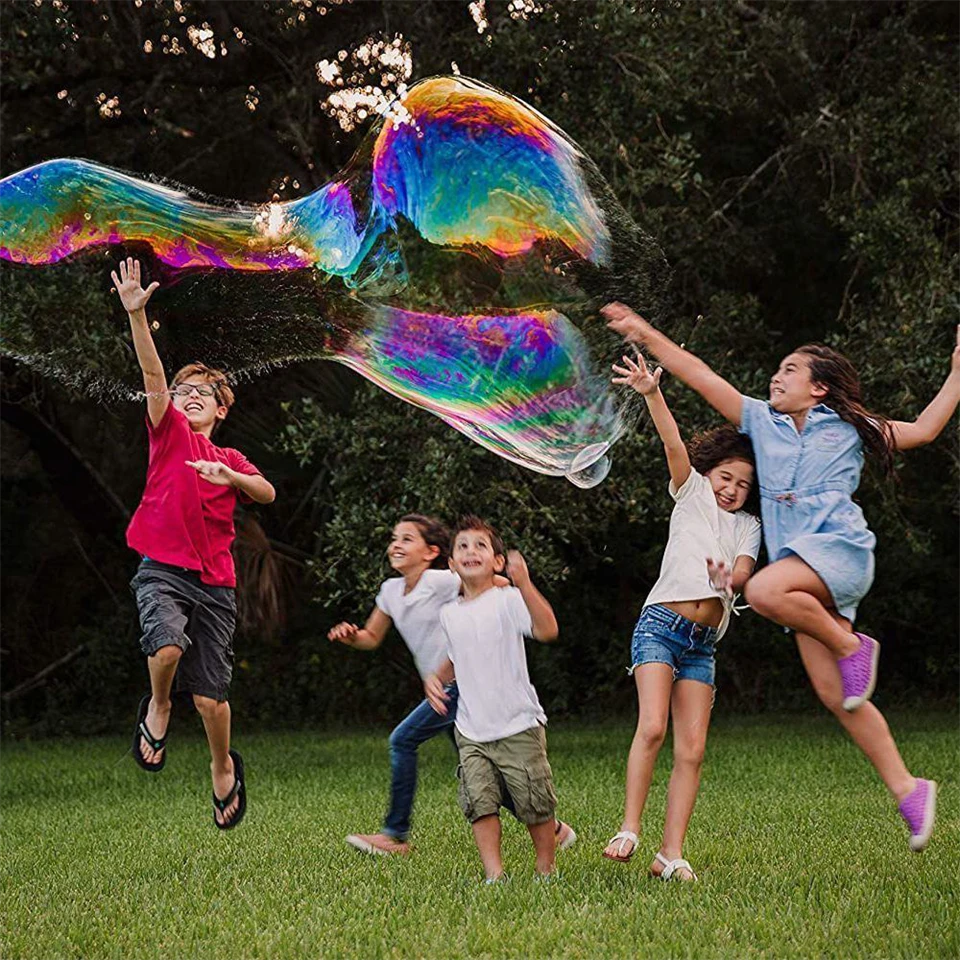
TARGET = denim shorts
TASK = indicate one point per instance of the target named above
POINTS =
(662, 636)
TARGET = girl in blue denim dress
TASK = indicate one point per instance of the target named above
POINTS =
(809, 440)
(710, 554)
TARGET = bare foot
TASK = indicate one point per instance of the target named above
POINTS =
(223, 780)
(156, 721)
(377, 843)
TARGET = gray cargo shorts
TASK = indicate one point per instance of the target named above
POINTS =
(178, 609)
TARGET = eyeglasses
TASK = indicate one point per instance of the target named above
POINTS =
(185, 389)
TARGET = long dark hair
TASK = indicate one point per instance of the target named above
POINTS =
(435, 533)
(710, 448)
(835, 372)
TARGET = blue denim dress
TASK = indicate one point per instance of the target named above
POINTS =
(807, 481)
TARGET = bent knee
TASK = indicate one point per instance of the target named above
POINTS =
(761, 596)
(168, 655)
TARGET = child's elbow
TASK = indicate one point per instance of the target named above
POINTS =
(547, 635)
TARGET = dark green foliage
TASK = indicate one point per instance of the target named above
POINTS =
(797, 163)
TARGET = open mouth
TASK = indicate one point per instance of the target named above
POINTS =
(193, 406)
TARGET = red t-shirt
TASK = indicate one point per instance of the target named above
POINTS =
(183, 519)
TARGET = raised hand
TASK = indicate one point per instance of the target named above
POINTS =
(517, 568)
(630, 325)
(636, 374)
(721, 576)
(213, 471)
(132, 295)
(344, 632)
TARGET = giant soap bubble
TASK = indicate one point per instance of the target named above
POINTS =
(457, 262)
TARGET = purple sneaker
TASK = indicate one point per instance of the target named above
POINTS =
(858, 673)
(919, 809)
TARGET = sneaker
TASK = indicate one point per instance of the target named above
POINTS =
(496, 881)
(858, 673)
(565, 835)
(919, 809)
(379, 844)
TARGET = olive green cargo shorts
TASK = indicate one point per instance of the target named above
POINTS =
(516, 765)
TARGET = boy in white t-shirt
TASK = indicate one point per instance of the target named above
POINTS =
(709, 556)
(500, 724)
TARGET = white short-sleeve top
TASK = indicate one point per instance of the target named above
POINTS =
(699, 528)
(416, 614)
(485, 642)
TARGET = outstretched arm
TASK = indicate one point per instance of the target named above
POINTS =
(635, 374)
(134, 299)
(928, 426)
(369, 637)
(722, 396)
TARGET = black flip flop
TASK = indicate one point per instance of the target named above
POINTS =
(239, 789)
(143, 733)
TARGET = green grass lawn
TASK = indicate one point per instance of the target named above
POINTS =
(799, 850)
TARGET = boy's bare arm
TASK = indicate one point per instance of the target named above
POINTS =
(433, 687)
(255, 486)
(134, 299)
(545, 628)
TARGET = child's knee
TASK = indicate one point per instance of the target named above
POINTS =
(689, 754)
(207, 707)
(652, 733)
(168, 655)
(400, 742)
(760, 596)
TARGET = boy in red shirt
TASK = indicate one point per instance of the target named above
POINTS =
(183, 530)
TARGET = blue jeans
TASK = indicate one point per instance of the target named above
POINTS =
(423, 723)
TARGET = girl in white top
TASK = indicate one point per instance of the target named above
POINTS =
(710, 554)
(412, 603)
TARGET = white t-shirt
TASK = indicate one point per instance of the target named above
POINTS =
(699, 528)
(416, 614)
(485, 642)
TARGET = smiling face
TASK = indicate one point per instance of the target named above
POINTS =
(203, 411)
(474, 558)
(408, 550)
(791, 388)
(732, 481)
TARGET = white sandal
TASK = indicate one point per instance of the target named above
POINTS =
(670, 867)
(623, 836)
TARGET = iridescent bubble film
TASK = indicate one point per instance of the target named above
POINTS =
(457, 262)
